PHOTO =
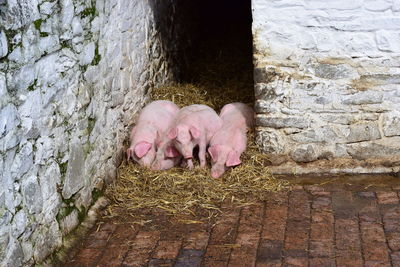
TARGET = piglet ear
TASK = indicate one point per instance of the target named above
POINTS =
(171, 152)
(213, 151)
(194, 132)
(142, 148)
(172, 133)
(233, 159)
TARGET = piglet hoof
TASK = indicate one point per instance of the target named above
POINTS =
(155, 166)
(215, 176)
(190, 164)
(183, 164)
(129, 152)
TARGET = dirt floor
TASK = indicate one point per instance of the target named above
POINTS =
(321, 221)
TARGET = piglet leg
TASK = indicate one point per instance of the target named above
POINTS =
(129, 153)
(187, 163)
(202, 152)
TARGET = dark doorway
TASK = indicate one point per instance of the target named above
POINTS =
(210, 44)
(222, 40)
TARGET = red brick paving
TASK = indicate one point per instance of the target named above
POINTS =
(308, 226)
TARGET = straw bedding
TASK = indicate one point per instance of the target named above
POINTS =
(181, 190)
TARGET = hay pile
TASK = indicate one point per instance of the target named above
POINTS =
(181, 190)
(212, 95)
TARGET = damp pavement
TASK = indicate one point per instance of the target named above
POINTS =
(321, 221)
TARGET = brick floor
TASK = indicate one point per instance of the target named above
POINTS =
(311, 225)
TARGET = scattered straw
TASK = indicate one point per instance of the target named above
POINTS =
(181, 190)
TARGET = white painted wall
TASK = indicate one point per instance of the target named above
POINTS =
(73, 75)
(327, 82)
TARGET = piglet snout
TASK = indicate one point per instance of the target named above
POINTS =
(215, 174)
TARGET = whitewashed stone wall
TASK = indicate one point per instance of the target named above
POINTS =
(327, 83)
(73, 74)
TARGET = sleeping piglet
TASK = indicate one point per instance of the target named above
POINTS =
(229, 142)
(153, 121)
(194, 125)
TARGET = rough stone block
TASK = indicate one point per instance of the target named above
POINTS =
(380, 5)
(370, 24)
(3, 90)
(19, 223)
(264, 92)
(363, 132)
(23, 161)
(263, 106)
(3, 44)
(14, 254)
(304, 153)
(375, 150)
(391, 124)
(282, 122)
(362, 98)
(32, 194)
(396, 6)
(325, 134)
(4, 238)
(260, 75)
(347, 119)
(67, 13)
(49, 44)
(73, 179)
(47, 8)
(48, 238)
(87, 54)
(335, 72)
(20, 13)
(270, 142)
(381, 78)
(338, 5)
(388, 41)
(9, 119)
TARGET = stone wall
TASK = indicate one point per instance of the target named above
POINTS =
(73, 75)
(327, 84)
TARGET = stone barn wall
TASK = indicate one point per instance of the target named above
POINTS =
(327, 84)
(73, 74)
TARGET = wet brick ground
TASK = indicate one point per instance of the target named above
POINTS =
(325, 225)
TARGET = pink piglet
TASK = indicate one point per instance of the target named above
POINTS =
(152, 123)
(193, 126)
(230, 140)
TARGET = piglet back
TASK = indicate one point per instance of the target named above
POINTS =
(241, 110)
